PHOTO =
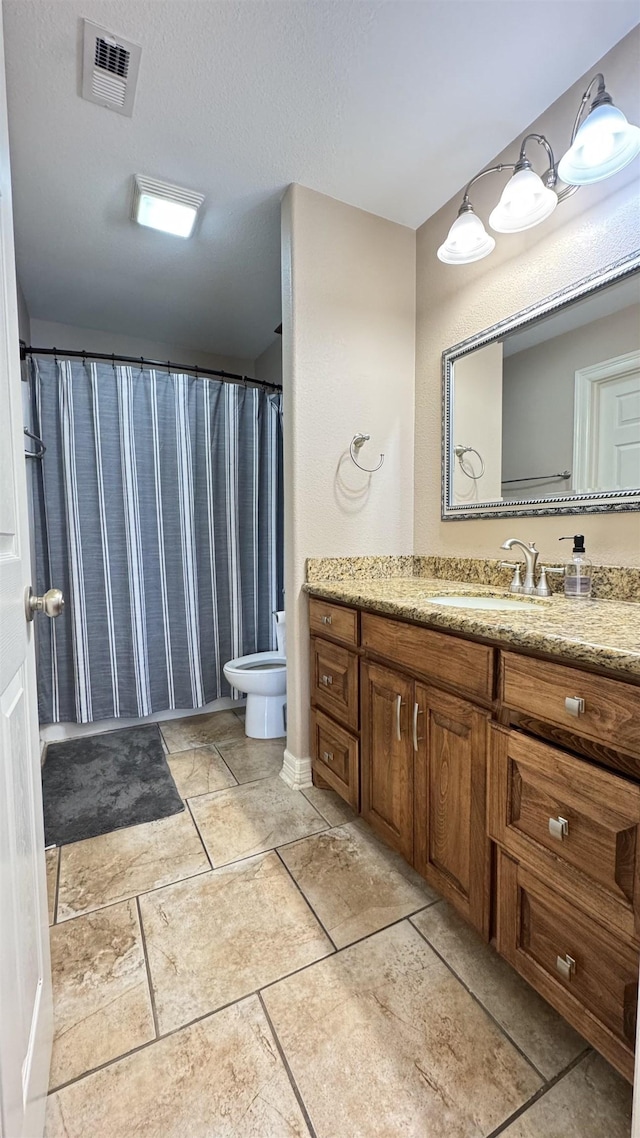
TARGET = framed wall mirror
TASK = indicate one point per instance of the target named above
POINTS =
(541, 412)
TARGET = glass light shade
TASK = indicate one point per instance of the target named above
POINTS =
(604, 144)
(467, 241)
(168, 216)
(525, 202)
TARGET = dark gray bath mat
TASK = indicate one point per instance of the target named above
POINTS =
(105, 782)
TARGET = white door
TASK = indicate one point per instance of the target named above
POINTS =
(25, 984)
(618, 464)
(606, 438)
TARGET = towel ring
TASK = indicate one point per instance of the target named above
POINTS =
(356, 444)
(460, 452)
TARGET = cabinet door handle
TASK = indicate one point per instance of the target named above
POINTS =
(566, 966)
(327, 680)
(416, 713)
(326, 619)
(399, 706)
(559, 828)
(574, 705)
(327, 756)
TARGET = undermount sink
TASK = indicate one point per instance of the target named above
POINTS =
(493, 604)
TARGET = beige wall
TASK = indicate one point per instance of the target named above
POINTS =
(538, 398)
(593, 228)
(348, 366)
(47, 335)
(477, 422)
(268, 365)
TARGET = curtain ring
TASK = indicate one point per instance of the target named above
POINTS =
(141, 364)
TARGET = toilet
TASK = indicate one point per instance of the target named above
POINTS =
(263, 677)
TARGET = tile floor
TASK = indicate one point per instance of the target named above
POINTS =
(261, 966)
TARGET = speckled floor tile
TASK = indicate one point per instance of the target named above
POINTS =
(544, 1036)
(199, 770)
(251, 759)
(101, 998)
(354, 884)
(331, 805)
(252, 818)
(592, 1101)
(220, 1078)
(216, 938)
(51, 858)
(198, 730)
(112, 867)
(383, 1040)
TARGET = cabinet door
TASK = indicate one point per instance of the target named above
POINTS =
(452, 850)
(387, 756)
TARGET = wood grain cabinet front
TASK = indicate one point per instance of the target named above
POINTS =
(451, 847)
(334, 681)
(604, 710)
(335, 757)
(333, 622)
(571, 820)
(588, 974)
(387, 755)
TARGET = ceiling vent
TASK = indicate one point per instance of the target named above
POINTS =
(109, 69)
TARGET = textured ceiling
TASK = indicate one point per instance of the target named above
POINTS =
(389, 106)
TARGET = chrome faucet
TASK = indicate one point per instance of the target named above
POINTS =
(530, 560)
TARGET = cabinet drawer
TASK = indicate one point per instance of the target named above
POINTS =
(334, 681)
(335, 757)
(589, 975)
(564, 816)
(605, 710)
(333, 621)
(434, 655)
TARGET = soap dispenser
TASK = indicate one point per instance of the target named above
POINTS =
(578, 571)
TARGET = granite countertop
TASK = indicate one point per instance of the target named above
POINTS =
(603, 633)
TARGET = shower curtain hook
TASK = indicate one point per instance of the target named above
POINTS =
(141, 364)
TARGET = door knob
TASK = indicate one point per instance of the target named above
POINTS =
(51, 604)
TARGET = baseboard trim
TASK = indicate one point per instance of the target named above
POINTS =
(296, 772)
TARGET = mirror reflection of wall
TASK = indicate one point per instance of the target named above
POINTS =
(538, 405)
(478, 425)
(553, 408)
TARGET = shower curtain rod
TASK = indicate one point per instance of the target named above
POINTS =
(141, 361)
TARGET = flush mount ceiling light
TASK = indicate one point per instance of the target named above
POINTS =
(163, 206)
(601, 145)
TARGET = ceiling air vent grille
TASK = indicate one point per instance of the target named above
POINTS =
(109, 69)
(112, 57)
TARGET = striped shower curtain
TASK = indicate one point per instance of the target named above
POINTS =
(158, 512)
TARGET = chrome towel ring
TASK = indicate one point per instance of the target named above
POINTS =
(356, 444)
(460, 452)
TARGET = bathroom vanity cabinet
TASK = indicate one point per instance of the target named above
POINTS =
(510, 782)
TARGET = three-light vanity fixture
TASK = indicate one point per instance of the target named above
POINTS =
(601, 144)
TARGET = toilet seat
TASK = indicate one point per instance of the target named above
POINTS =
(258, 662)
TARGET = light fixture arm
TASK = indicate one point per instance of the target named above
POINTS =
(550, 177)
(601, 97)
(476, 178)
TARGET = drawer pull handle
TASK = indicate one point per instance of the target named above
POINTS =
(327, 680)
(416, 713)
(566, 966)
(559, 828)
(327, 756)
(574, 705)
(326, 619)
(399, 706)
